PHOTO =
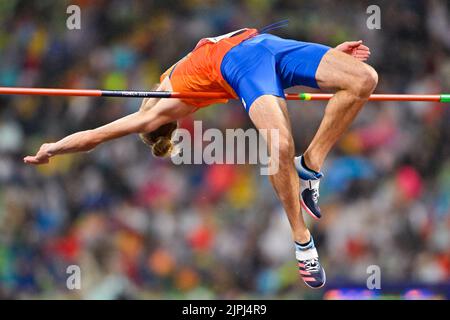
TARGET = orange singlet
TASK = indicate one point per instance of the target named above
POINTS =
(199, 71)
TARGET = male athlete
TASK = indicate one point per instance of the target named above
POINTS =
(256, 67)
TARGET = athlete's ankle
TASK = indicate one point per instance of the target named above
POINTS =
(302, 237)
(311, 163)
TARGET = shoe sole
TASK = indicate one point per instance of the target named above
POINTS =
(304, 207)
(323, 284)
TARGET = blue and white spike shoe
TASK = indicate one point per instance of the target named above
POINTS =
(309, 267)
(309, 188)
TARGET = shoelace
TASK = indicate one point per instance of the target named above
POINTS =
(315, 195)
(312, 265)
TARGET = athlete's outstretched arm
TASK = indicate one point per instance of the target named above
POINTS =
(83, 141)
(152, 115)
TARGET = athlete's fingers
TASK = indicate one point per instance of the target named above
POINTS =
(30, 159)
(363, 51)
(360, 45)
(363, 47)
(362, 58)
(354, 44)
(348, 46)
(361, 54)
(35, 160)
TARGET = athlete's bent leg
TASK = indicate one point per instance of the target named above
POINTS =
(353, 81)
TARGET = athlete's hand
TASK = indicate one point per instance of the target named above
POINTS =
(356, 49)
(41, 157)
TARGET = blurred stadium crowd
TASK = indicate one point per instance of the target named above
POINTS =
(139, 227)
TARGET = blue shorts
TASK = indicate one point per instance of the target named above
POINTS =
(267, 64)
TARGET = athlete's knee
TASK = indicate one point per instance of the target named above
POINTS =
(370, 78)
(286, 149)
(365, 82)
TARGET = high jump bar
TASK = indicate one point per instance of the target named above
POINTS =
(444, 98)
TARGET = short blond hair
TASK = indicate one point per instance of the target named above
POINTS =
(160, 140)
